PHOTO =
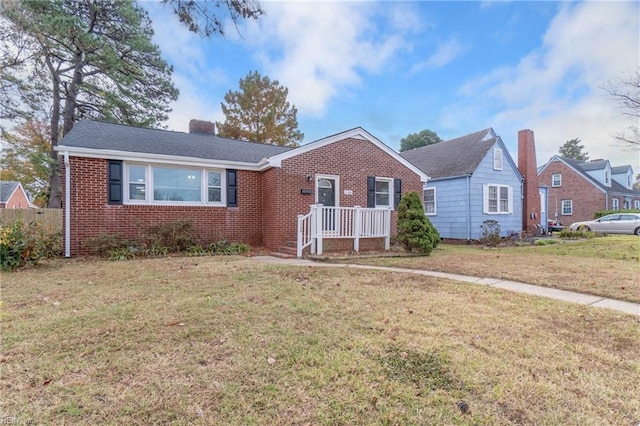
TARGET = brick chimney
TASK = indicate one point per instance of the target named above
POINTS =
(201, 126)
(529, 169)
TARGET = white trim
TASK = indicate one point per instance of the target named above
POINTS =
(336, 178)
(615, 204)
(142, 157)
(496, 159)
(485, 199)
(562, 213)
(392, 190)
(553, 185)
(583, 175)
(149, 187)
(435, 201)
(357, 133)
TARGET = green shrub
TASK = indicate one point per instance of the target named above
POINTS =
(573, 235)
(105, 244)
(26, 244)
(490, 233)
(120, 254)
(175, 236)
(227, 248)
(415, 230)
(546, 242)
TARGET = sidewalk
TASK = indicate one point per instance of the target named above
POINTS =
(552, 293)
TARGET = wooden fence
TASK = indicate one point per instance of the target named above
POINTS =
(51, 219)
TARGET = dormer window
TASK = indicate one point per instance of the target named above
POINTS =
(497, 159)
(607, 178)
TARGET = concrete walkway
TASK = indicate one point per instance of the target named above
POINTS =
(552, 293)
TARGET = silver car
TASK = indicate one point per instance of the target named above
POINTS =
(622, 223)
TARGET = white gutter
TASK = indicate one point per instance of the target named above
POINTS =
(67, 205)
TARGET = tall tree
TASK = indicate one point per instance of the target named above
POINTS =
(98, 60)
(207, 17)
(260, 112)
(625, 93)
(26, 158)
(573, 149)
(416, 140)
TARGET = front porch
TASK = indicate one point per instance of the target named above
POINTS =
(325, 222)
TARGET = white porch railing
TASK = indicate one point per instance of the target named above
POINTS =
(342, 222)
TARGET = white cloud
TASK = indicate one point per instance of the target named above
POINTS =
(319, 50)
(445, 53)
(556, 90)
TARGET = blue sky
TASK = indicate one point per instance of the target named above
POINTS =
(396, 68)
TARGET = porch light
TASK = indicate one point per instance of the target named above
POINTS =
(309, 177)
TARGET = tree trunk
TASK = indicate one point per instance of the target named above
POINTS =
(55, 177)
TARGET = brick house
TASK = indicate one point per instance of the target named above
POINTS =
(13, 196)
(579, 189)
(121, 179)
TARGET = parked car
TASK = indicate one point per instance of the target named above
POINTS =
(623, 223)
(553, 226)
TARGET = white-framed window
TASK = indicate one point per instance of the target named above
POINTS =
(498, 199)
(556, 180)
(636, 204)
(430, 201)
(384, 192)
(497, 159)
(173, 185)
(567, 207)
(607, 179)
(615, 204)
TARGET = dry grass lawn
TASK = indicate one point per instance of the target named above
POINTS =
(608, 267)
(232, 341)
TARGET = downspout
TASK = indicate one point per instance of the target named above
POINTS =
(67, 205)
(468, 208)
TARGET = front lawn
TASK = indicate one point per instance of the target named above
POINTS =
(232, 341)
(607, 266)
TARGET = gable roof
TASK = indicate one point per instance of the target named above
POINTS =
(619, 170)
(588, 166)
(91, 136)
(582, 167)
(7, 188)
(355, 133)
(455, 157)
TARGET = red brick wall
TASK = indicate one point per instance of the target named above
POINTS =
(91, 215)
(351, 159)
(18, 200)
(528, 168)
(587, 199)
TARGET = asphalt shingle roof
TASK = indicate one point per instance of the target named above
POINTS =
(6, 189)
(588, 166)
(455, 157)
(583, 167)
(620, 169)
(117, 137)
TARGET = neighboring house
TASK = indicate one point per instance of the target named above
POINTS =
(473, 179)
(579, 189)
(13, 196)
(120, 180)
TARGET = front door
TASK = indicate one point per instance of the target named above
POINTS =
(326, 190)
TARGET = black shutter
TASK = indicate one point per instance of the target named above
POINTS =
(371, 191)
(114, 192)
(232, 188)
(397, 192)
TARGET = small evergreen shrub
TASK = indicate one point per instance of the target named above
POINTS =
(567, 234)
(415, 230)
(490, 232)
(26, 244)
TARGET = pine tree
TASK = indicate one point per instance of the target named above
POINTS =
(415, 230)
(260, 112)
(573, 149)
